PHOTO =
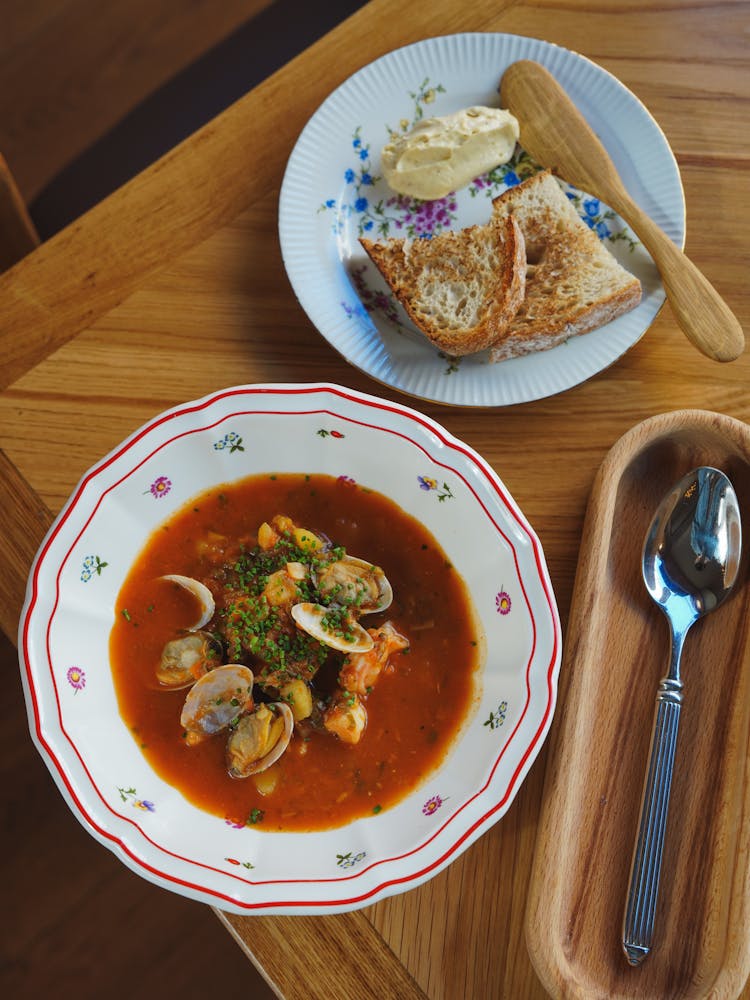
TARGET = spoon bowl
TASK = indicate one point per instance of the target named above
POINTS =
(691, 552)
(556, 135)
(691, 558)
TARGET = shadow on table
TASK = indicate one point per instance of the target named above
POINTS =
(188, 101)
(77, 922)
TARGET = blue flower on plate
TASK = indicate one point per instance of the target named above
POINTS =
(506, 175)
(595, 219)
(600, 219)
(591, 207)
(376, 213)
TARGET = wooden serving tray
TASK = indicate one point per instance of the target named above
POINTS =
(615, 654)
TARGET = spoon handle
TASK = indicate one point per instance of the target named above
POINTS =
(640, 909)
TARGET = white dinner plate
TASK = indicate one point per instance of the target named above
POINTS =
(72, 604)
(332, 194)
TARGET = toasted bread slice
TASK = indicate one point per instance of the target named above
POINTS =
(573, 283)
(461, 289)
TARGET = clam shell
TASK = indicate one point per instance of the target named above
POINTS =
(185, 659)
(311, 619)
(202, 594)
(215, 700)
(347, 572)
(238, 752)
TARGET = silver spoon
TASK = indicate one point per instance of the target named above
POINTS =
(691, 557)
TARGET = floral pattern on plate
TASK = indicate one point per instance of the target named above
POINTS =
(68, 631)
(76, 678)
(497, 716)
(349, 860)
(380, 213)
(432, 805)
(231, 442)
(332, 194)
(244, 864)
(430, 485)
(130, 795)
(160, 487)
(92, 565)
(503, 602)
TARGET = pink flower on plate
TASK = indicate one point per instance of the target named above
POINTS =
(503, 602)
(432, 805)
(76, 678)
(160, 487)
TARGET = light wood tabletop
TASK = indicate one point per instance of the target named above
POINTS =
(174, 287)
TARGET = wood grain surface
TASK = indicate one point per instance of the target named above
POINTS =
(175, 287)
(619, 643)
(555, 133)
(19, 235)
(60, 106)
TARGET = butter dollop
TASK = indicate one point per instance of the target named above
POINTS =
(440, 155)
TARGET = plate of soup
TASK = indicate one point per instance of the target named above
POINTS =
(290, 649)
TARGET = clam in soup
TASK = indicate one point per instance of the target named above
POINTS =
(294, 652)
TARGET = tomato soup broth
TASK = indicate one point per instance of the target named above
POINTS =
(413, 712)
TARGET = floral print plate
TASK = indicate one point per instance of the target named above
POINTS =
(71, 605)
(333, 194)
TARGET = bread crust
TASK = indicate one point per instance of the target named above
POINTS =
(532, 277)
(461, 289)
(573, 283)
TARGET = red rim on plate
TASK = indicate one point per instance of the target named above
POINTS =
(71, 704)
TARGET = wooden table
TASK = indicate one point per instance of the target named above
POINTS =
(174, 287)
